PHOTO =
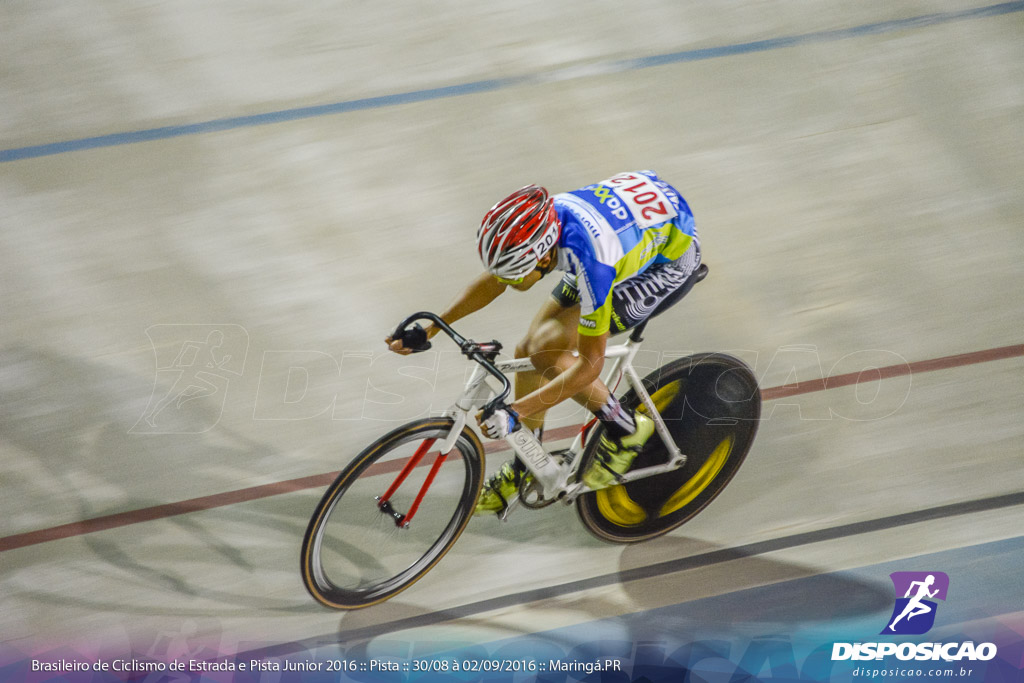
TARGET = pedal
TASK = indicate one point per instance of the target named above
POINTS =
(512, 505)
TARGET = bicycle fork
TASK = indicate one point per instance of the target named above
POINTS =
(403, 520)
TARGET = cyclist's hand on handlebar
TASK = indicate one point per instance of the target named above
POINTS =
(500, 423)
(412, 340)
(397, 346)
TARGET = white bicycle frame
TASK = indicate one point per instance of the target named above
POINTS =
(552, 475)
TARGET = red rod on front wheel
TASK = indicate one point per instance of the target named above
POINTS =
(409, 467)
(423, 490)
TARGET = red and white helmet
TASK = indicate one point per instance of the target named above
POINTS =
(517, 232)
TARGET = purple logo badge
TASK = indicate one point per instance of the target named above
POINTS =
(916, 592)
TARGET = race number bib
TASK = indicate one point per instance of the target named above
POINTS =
(642, 198)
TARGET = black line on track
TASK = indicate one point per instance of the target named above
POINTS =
(714, 557)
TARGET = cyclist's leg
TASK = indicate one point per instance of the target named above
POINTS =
(552, 337)
(545, 342)
(633, 302)
(549, 344)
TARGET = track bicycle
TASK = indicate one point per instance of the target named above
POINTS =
(400, 505)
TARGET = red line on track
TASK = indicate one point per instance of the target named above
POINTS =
(944, 363)
(150, 514)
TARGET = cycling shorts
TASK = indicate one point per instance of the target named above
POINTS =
(635, 299)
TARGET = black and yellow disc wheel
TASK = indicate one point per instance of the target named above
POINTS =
(711, 405)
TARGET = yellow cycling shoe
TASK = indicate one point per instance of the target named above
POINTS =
(617, 455)
(500, 488)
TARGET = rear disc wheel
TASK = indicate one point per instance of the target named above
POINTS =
(711, 405)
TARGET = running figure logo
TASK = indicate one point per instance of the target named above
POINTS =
(194, 365)
(914, 613)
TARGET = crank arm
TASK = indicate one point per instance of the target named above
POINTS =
(580, 488)
(652, 471)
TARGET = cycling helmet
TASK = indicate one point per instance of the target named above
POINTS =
(517, 232)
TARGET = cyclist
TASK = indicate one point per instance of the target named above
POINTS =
(625, 244)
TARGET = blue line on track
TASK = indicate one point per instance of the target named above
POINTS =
(216, 125)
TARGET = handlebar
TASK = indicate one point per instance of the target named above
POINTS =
(481, 353)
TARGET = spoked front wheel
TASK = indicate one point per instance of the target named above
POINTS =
(391, 515)
(711, 405)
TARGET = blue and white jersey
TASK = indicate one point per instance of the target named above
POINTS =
(616, 229)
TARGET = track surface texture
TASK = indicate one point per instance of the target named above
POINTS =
(239, 200)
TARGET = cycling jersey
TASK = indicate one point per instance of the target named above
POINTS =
(614, 231)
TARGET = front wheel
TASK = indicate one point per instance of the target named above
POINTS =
(357, 550)
(711, 405)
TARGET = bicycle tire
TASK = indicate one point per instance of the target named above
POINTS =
(348, 528)
(711, 404)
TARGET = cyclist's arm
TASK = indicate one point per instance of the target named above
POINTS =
(481, 291)
(580, 375)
